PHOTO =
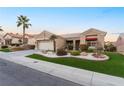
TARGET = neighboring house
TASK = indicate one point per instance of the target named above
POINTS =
(11, 38)
(43, 41)
(120, 43)
(89, 37)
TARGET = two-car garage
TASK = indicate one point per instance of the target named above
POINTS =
(45, 45)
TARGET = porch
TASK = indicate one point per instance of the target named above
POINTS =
(73, 44)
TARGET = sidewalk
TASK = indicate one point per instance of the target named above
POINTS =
(82, 77)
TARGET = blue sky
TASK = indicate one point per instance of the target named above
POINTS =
(64, 20)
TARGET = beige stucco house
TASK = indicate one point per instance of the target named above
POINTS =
(43, 41)
(70, 41)
(91, 37)
(11, 38)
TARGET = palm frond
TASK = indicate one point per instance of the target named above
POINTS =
(23, 20)
(53, 37)
(19, 24)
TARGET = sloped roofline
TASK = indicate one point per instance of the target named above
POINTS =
(45, 31)
(91, 29)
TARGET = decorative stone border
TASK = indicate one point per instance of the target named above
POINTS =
(88, 57)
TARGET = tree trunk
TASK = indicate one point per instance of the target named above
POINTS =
(23, 35)
(54, 45)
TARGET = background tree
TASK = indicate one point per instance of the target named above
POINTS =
(53, 37)
(24, 22)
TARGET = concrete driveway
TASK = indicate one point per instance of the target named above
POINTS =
(22, 53)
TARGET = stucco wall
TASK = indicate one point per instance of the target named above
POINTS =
(15, 40)
(60, 43)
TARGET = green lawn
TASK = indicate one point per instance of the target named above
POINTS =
(5, 50)
(113, 66)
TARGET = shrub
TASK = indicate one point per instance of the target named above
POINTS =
(61, 52)
(4, 46)
(75, 52)
(17, 49)
(90, 50)
(110, 48)
(29, 47)
(15, 44)
(113, 49)
(83, 47)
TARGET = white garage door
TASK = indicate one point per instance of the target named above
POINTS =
(46, 45)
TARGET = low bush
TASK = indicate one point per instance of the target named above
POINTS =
(4, 46)
(29, 47)
(90, 50)
(17, 49)
(61, 52)
(75, 52)
(83, 47)
(110, 48)
(15, 44)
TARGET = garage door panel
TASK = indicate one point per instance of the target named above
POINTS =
(46, 45)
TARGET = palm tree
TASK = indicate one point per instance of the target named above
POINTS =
(53, 37)
(1, 28)
(24, 22)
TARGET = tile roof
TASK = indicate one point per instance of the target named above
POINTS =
(17, 35)
(71, 35)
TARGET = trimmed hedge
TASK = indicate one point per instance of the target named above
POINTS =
(17, 49)
(29, 47)
(4, 46)
(75, 52)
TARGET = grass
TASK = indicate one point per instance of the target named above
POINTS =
(114, 66)
(5, 50)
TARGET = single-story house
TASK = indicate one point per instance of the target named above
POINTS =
(120, 43)
(70, 41)
(44, 42)
(11, 38)
(89, 37)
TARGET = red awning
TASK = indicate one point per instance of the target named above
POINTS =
(91, 39)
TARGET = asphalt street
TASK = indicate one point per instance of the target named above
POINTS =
(12, 74)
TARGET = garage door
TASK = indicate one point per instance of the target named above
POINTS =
(46, 45)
